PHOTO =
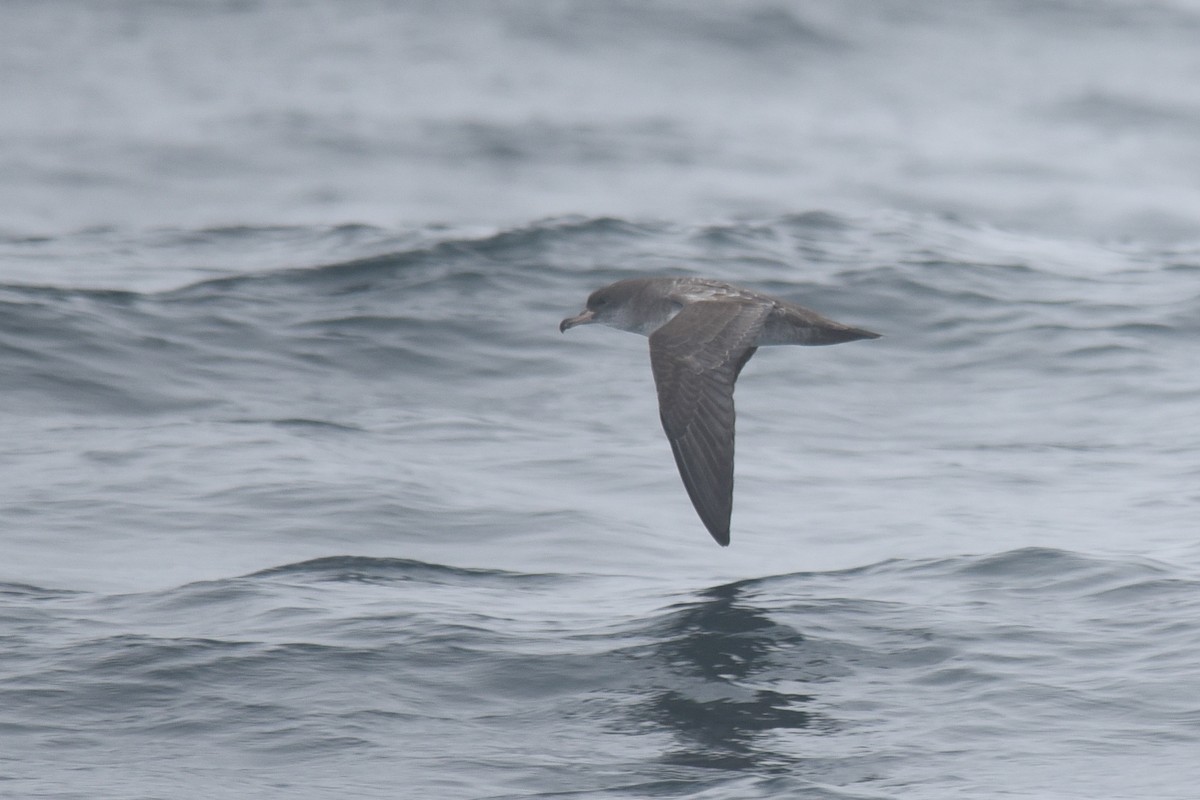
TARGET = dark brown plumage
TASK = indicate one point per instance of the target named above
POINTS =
(702, 332)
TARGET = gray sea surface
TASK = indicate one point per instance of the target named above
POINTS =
(302, 493)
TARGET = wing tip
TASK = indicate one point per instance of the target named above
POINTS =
(721, 536)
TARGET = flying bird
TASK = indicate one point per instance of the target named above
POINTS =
(702, 332)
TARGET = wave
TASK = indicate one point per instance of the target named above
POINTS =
(463, 306)
(361, 569)
(343, 653)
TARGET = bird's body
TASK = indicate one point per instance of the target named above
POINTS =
(702, 332)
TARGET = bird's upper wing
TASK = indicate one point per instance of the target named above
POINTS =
(696, 358)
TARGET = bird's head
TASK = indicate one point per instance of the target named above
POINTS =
(602, 306)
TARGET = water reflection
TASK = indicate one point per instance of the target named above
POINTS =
(727, 663)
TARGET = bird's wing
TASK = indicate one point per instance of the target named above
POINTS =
(696, 358)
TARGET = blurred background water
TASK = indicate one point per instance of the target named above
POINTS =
(302, 493)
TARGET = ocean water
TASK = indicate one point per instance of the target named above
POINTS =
(302, 493)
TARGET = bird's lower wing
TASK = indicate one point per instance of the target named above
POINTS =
(696, 358)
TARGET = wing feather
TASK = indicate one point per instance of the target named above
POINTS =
(696, 358)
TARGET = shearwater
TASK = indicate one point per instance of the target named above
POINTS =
(702, 332)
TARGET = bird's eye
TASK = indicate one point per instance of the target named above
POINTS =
(600, 301)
